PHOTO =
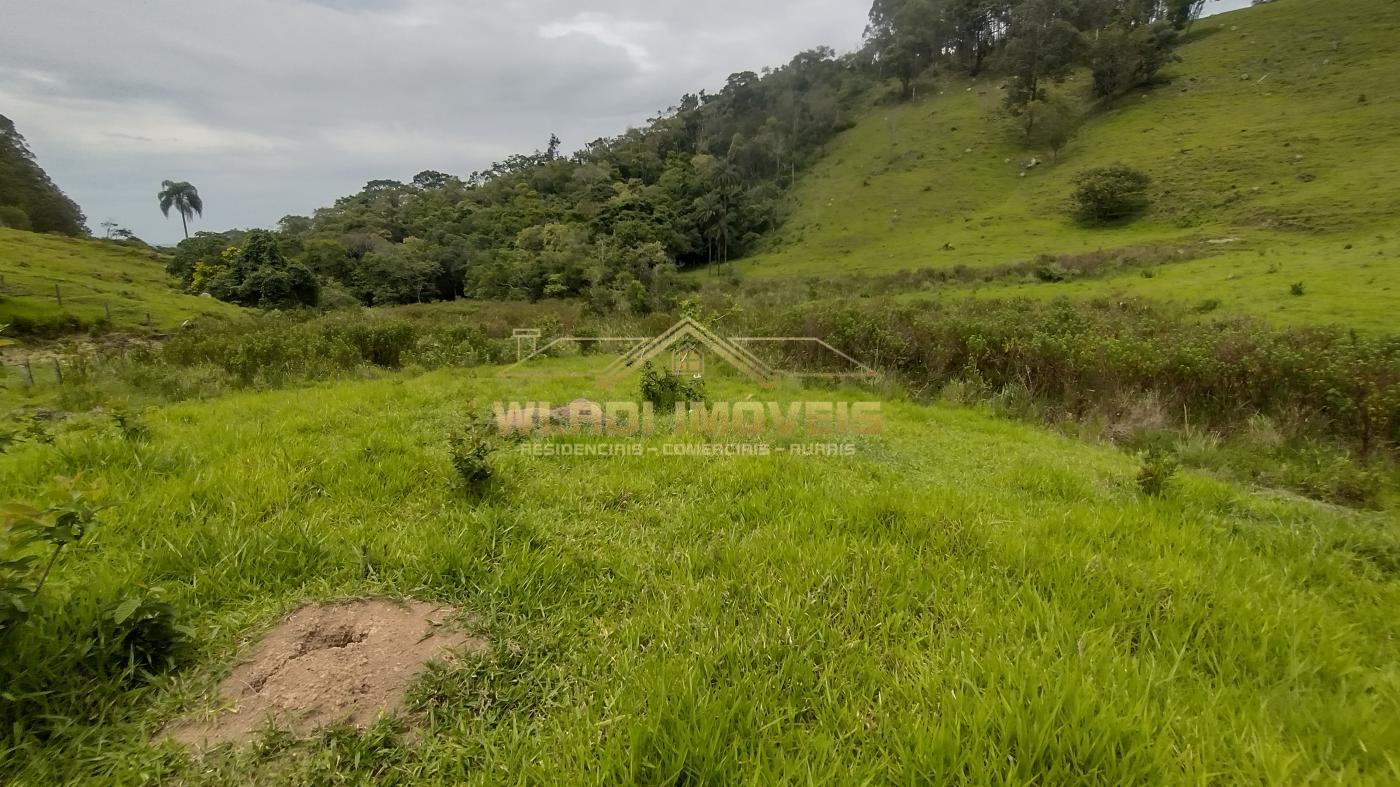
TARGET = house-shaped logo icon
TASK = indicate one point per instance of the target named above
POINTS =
(689, 342)
(688, 361)
(692, 346)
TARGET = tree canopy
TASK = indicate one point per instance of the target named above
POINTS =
(28, 198)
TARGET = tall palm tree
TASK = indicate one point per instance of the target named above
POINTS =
(184, 198)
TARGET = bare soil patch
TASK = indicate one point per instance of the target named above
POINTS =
(326, 665)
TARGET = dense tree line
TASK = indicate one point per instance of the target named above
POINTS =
(614, 223)
(700, 183)
(29, 200)
(1032, 42)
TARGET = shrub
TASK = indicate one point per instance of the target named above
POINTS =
(129, 425)
(143, 635)
(1050, 271)
(26, 533)
(471, 449)
(1159, 467)
(1298, 289)
(665, 390)
(1108, 194)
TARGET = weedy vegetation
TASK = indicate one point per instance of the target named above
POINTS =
(665, 390)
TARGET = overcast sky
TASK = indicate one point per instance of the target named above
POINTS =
(273, 107)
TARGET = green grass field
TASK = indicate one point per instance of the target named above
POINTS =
(967, 599)
(1356, 285)
(1276, 127)
(92, 276)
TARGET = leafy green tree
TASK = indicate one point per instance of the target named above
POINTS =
(279, 287)
(263, 277)
(1043, 46)
(1058, 119)
(395, 274)
(557, 257)
(184, 198)
(295, 226)
(1183, 13)
(905, 36)
(1124, 58)
(328, 259)
(205, 248)
(430, 179)
(247, 269)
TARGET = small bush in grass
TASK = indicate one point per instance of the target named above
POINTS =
(31, 540)
(1109, 194)
(129, 424)
(1159, 468)
(587, 340)
(665, 390)
(1049, 271)
(471, 449)
(143, 634)
(1298, 289)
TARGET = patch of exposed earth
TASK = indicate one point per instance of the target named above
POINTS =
(325, 665)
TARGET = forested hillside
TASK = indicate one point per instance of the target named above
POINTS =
(703, 182)
(29, 200)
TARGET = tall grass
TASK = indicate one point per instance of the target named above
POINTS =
(968, 599)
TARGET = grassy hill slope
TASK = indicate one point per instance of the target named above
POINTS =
(965, 596)
(92, 276)
(1277, 129)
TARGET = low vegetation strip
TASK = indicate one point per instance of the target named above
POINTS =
(1088, 355)
(1080, 355)
(1318, 407)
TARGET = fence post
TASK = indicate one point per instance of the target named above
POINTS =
(58, 295)
(28, 373)
(57, 370)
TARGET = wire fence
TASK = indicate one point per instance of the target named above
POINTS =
(95, 305)
(30, 373)
(46, 371)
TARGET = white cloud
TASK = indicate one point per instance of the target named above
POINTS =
(281, 106)
(387, 142)
(621, 34)
(130, 127)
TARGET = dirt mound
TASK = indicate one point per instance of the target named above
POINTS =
(325, 665)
